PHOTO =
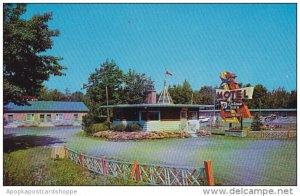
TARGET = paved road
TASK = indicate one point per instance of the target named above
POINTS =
(235, 161)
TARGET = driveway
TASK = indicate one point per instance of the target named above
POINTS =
(235, 161)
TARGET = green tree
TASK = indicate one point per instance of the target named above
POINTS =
(77, 96)
(207, 94)
(135, 87)
(25, 64)
(107, 76)
(68, 94)
(280, 98)
(256, 123)
(261, 98)
(197, 97)
(181, 94)
(46, 94)
(51, 95)
(292, 100)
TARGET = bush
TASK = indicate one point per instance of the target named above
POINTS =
(92, 123)
(119, 127)
(107, 124)
(99, 127)
(87, 121)
(256, 123)
(133, 127)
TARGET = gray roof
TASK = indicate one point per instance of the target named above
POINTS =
(49, 106)
(263, 110)
(158, 106)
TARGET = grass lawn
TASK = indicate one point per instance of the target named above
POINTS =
(35, 167)
(236, 161)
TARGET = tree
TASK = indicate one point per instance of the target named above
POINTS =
(52, 95)
(25, 68)
(292, 100)
(135, 88)
(77, 96)
(68, 94)
(55, 95)
(256, 123)
(197, 98)
(181, 94)
(280, 98)
(207, 94)
(107, 76)
(261, 98)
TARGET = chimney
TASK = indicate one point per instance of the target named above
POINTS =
(151, 97)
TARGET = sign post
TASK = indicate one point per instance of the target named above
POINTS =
(230, 97)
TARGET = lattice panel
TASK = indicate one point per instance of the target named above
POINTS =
(93, 164)
(118, 168)
(275, 134)
(156, 175)
(74, 156)
(272, 134)
(255, 134)
(149, 174)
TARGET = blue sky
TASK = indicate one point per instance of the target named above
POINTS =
(193, 41)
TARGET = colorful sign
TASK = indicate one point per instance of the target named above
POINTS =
(242, 93)
(233, 109)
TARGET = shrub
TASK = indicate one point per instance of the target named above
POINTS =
(133, 127)
(119, 127)
(92, 123)
(99, 127)
(107, 124)
(87, 121)
(256, 123)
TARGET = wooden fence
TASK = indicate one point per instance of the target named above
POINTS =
(268, 134)
(150, 174)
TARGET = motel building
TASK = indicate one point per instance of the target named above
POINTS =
(161, 115)
(279, 112)
(44, 113)
(164, 115)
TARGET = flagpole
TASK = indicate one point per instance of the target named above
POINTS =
(165, 82)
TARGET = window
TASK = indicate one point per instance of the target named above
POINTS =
(183, 115)
(10, 117)
(75, 116)
(42, 117)
(59, 116)
(29, 117)
(49, 117)
(150, 115)
(192, 115)
(118, 115)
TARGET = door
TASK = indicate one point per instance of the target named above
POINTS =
(10, 118)
(193, 122)
(183, 120)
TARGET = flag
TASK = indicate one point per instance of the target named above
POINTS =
(169, 73)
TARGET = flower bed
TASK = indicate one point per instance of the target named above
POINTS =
(116, 135)
(201, 133)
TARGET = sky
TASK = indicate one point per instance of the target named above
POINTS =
(196, 42)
